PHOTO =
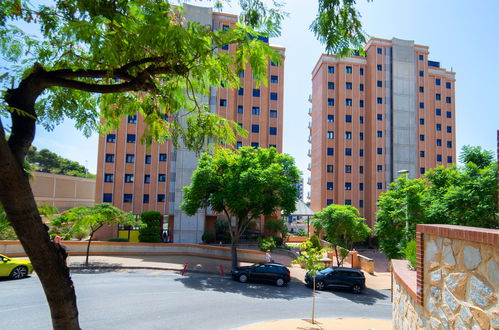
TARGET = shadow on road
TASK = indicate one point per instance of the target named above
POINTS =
(366, 297)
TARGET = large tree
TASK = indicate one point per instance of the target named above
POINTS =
(244, 185)
(105, 59)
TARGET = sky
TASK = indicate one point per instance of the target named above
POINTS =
(461, 35)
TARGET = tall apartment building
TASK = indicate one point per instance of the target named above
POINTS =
(374, 116)
(136, 180)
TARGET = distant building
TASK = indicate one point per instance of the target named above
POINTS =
(392, 110)
(299, 186)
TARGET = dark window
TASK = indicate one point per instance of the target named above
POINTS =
(348, 118)
(449, 129)
(130, 158)
(348, 202)
(225, 47)
(255, 110)
(438, 127)
(448, 85)
(147, 178)
(348, 135)
(438, 112)
(330, 135)
(273, 130)
(439, 143)
(225, 27)
(240, 109)
(348, 102)
(361, 203)
(421, 89)
(329, 185)
(449, 144)
(108, 177)
(348, 151)
(448, 99)
(379, 134)
(421, 57)
(438, 97)
(273, 96)
(379, 151)
(348, 168)
(437, 81)
(361, 87)
(272, 63)
(162, 158)
(256, 92)
(348, 85)
(379, 168)
(329, 202)
(379, 100)
(223, 102)
(439, 158)
(330, 118)
(330, 69)
(255, 128)
(449, 159)
(361, 186)
(421, 121)
(361, 152)
(361, 119)
(361, 169)
(107, 198)
(330, 102)
(330, 168)
(255, 144)
(379, 116)
(348, 186)
(379, 50)
(240, 91)
(109, 158)
(379, 67)
(361, 136)
(127, 198)
(161, 177)
(330, 151)
(274, 79)
(330, 85)
(348, 69)
(111, 138)
(148, 159)
(361, 103)
(273, 146)
(421, 154)
(239, 144)
(421, 105)
(273, 114)
(130, 138)
(422, 170)
(128, 178)
(161, 198)
(379, 83)
(379, 185)
(448, 114)
(132, 119)
(241, 74)
(145, 199)
(421, 73)
(421, 137)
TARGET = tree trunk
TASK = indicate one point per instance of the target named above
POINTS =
(233, 249)
(88, 249)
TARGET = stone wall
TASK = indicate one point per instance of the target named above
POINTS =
(456, 284)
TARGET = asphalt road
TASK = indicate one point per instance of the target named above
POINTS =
(166, 300)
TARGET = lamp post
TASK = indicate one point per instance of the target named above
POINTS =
(406, 172)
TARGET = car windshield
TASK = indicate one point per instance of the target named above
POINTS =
(326, 271)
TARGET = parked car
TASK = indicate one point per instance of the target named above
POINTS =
(14, 268)
(338, 277)
(269, 272)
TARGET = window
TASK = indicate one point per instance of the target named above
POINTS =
(448, 99)
(273, 96)
(422, 170)
(348, 186)
(241, 74)
(107, 198)
(132, 119)
(273, 113)
(348, 102)
(348, 202)
(449, 129)
(130, 138)
(127, 198)
(438, 112)
(147, 178)
(256, 92)
(361, 203)
(239, 144)
(274, 79)
(379, 116)
(162, 177)
(421, 154)
(379, 168)
(273, 130)
(421, 137)
(361, 152)
(379, 67)
(330, 168)
(108, 177)
(361, 87)
(361, 169)
(379, 100)
(448, 114)
(449, 159)
(448, 85)
(255, 110)
(379, 185)
(439, 127)
(421, 121)
(421, 89)
(329, 185)
(161, 198)
(329, 202)
(254, 144)
(255, 128)
(330, 118)
(225, 47)
(361, 71)
(111, 138)
(348, 85)
(145, 199)
(109, 158)
(379, 134)
(223, 102)
(421, 73)
(330, 69)
(379, 151)
(273, 146)
(437, 81)
(348, 168)
(330, 85)
(379, 83)
(421, 57)
(163, 157)
(330, 135)
(272, 63)
(379, 50)
(421, 105)
(128, 178)
(240, 109)
(330, 102)
(361, 119)
(449, 144)
(330, 151)
(348, 69)
(240, 91)
(361, 186)
(348, 135)
(439, 158)
(130, 158)
(439, 143)
(348, 118)
(148, 159)
(361, 103)
(348, 151)
(438, 97)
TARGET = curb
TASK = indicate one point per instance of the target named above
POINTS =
(144, 268)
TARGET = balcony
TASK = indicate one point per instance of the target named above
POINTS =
(309, 166)
(309, 153)
(309, 181)
(310, 111)
(309, 139)
(310, 98)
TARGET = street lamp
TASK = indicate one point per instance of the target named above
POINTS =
(406, 172)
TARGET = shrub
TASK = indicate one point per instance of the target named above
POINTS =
(277, 240)
(151, 232)
(410, 253)
(266, 244)
(221, 226)
(301, 233)
(117, 239)
(208, 237)
(316, 242)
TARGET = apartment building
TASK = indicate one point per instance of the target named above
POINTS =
(374, 117)
(137, 179)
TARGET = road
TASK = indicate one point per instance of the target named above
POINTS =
(167, 300)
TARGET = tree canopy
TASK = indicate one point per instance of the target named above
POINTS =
(243, 184)
(50, 162)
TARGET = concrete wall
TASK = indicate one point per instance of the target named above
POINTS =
(456, 285)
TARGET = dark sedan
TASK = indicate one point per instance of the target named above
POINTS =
(270, 272)
(338, 277)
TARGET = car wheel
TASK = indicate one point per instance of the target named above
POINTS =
(279, 282)
(243, 278)
(356, 288)
(319, 285)
(19, 272)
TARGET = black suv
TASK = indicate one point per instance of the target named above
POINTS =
(338, 277)
(270, 272)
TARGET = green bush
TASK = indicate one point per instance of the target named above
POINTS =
(117, 239)
(208, 237)
(277, 240)
(301, 233)
(266, 243)
(151, 233)
(316, 242)
(410, 253)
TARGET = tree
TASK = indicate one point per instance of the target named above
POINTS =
(49, 162)
(243, 185)
(84, 219)
(151, 232)
(342, 226)
(480, 157)
(119, 57)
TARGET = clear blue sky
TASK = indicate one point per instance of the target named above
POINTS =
(462, 35)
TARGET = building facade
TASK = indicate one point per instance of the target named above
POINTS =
(374, 117)
(136, 179)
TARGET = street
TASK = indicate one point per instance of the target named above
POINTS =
(166, 300)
